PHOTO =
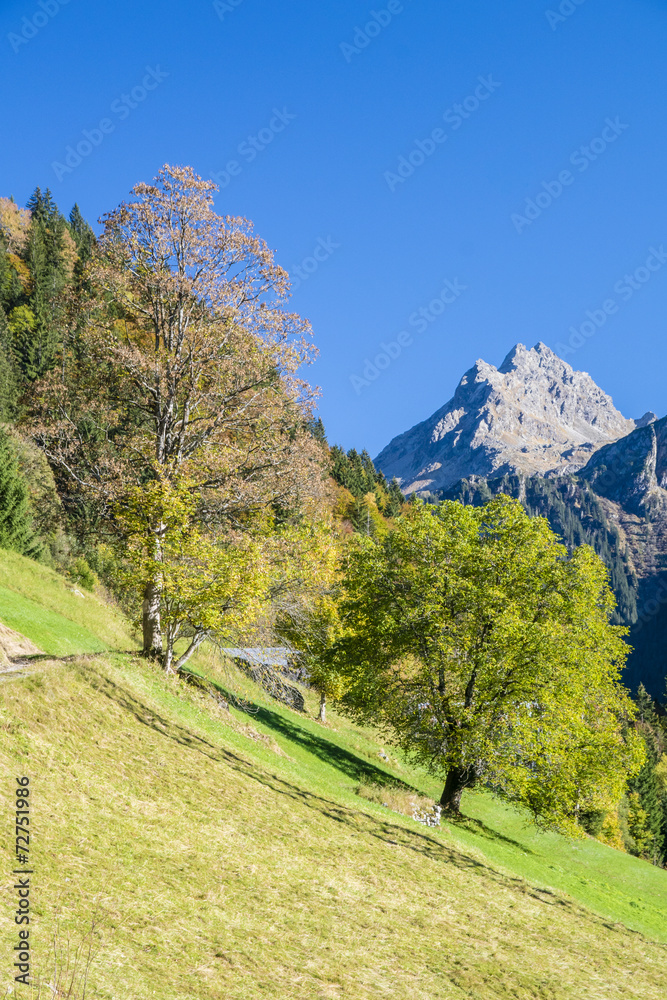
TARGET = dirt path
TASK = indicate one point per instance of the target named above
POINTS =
(13, 646)
(16, 667)
(15, 653)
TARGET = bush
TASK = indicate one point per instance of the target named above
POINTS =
(592, 821)
(80, 572)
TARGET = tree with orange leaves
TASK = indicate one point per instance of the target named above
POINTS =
(186, 368)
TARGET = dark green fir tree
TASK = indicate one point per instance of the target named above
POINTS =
(82, 234)
(16, 531)
(37, 325)
(316, 428)
(396, 498)
(9, 383)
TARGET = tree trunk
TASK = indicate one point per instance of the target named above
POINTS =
(458, 779)
(322, 717)
(192, 648)
(151, 621)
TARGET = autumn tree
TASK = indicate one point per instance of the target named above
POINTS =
(212, 585)
(186, 369)
(306, 611)
(486, 652)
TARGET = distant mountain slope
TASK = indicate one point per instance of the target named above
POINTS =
(533, 415)
(617, 503)
(633, 470)
(630, 477)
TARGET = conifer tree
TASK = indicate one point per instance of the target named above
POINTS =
(35, 203)
(15, 522)
(8, 377)
(36, 346)
(84, 237)
(396, 499)
(356, 474)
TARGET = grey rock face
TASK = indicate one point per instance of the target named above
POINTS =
(534, 415)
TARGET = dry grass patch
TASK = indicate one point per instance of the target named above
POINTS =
(398, 799)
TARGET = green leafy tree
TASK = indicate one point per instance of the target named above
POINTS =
(646, 795)
(312, 634)
(211, 587)
(576, 514)
(639, 827)
(311, 624)
(486, 652)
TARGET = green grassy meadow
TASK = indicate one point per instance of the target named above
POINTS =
(234, 859)
(58, 617)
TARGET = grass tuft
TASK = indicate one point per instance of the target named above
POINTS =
(398, 799)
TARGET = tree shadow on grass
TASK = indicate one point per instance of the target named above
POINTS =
(325, 749)
(355, 767)
(479, 828)
(356, 820)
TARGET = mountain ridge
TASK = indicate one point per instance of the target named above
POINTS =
(533, 415)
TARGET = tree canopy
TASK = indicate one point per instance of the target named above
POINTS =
(486, 652)
(185, 369)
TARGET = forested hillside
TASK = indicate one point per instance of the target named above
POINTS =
(42, 259)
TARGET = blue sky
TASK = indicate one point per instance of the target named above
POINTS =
(448, 178)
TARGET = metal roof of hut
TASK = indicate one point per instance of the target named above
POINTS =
(261, 656)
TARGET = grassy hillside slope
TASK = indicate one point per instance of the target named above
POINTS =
(235, 860)
(57, 616)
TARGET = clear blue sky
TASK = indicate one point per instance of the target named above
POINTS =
(323, 173)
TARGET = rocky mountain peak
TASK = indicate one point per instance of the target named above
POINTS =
(534, 414)
(649, 418)
(522, 356)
